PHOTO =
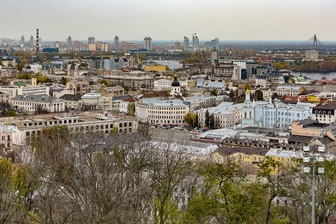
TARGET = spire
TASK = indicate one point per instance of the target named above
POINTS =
(247, 97)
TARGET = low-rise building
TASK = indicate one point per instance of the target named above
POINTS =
(283, 90)
(161, 111)
(226, 114)
(325, 113)
(38, 103)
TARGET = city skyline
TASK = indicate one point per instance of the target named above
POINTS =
(169, 20)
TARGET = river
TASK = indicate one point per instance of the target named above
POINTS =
(172, 64)
(316, 76)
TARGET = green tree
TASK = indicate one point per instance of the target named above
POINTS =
(196, 124)
(189, 118)
(212, 122)
(11, 113)
(213, 92)
(258, 95)
(207, 119)
(131, 109)
(105, 82)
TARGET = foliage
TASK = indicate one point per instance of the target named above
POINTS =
(105, 82)
(25, 76)
(207, 119)
(212, 122)
(258, 95)
(189, 118)
(213, 92)
(131, 109)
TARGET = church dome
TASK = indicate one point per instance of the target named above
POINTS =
(175, 83)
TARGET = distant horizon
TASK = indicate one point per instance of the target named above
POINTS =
(181, 40)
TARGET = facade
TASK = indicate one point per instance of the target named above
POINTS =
(200, 102)
(34, 103)
(148, 43)
(186, 44)
(79, 123)
(162, 84)
(78, 87)
(161, 111)
(6, 135)
(195, 39)
(240, 155)
(325, 113)
(97, 101)
(131, 82)
(227, 71)
(72, 102)
(289, 90)
(226, 114)
(175, 89)
(268, 114)
(116, 43)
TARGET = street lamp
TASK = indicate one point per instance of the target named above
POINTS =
(315, 155)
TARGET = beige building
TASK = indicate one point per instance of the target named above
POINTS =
(78, 87)
(161, 111)
(36, 103)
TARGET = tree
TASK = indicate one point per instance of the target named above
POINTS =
(189, 118)
(258, 95)
(63, 80)
(131, 109)
(105, 82)
(207, 119)
(212, 121)
(232, 95)
(196, 124)
(213, 92)
(11, 113)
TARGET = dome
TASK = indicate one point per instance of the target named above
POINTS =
(175, 82)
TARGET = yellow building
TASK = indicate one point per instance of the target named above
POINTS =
(242, 156)
(313, 99)
(155, 68)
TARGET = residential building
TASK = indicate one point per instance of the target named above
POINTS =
(195, 39)
(161, 111)
(131, 81)
(78, 87)
(227, 71)
(116, 43)
(226, 114)
(148, 43)
(269, 114)
(35, 103)
(72, 102)
(209, 45)
(200, 102)
(186, 44)
(283, 90)
(325, 113)
(78, 123)
(246, 158)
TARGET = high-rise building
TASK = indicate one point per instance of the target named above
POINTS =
(22, 41)
(195, 40)
(116, 43)
(31, 41)
(69, 42)
(91, 40)
(148, 43)
(186, 46)
(209, 45)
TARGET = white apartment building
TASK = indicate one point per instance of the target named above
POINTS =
(324, 113)
(161, 111)
(200, 102)
(226, 114)
(13, 90)
(288, 90)
(32, 103)
(162, 84)
(227, 70)
(97, 101)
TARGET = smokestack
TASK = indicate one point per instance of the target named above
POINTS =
(37, 42)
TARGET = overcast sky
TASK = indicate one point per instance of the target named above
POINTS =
(169, 19)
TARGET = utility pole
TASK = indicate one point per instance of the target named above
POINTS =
(315, 158)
